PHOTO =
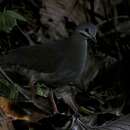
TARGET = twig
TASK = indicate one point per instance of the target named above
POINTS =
(105, 9)
(96, 14)
(110, 19)
(115, 27)
(12, 83)
(26, 36)
(22, 91)
(92, 11)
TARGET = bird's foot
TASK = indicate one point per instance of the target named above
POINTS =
(51, 97)
(32, 85)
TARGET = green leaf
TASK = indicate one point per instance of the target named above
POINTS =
(8, 20)
(8, 90)
(42, 90)
(16, 15)
(13, 93)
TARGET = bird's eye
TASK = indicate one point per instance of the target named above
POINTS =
(86, 30)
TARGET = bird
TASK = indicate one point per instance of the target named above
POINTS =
(55, 62)
(60, 61)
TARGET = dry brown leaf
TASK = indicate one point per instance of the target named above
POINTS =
(5, 105)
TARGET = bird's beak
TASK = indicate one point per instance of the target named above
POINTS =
(89, 36)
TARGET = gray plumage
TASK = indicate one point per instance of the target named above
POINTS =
(57, 61)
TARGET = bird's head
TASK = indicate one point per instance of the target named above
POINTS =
(88, 31)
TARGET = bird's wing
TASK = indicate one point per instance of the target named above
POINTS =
(44, 58)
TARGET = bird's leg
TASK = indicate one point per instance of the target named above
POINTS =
(51, 97)
(33, 87)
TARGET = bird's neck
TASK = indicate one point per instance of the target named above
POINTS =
(77, 38)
